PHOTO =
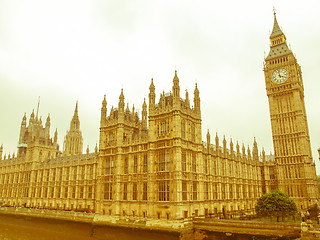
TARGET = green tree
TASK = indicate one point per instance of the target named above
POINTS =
(276, 203)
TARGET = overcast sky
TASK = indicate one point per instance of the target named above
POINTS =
(64, 51)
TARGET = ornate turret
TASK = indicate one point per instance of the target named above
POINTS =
(103, 111)
(208, 139)
(231, 146)
(47, 128)
(75, 123)
(163, 99)
(249, 153)
(87, 151)
(96, 149)
(255, 151)
(238, 149)
(176, 90)
(48, 121)
(196, 100)
(23, 128)
(243, 151)
(55, 139)
(217, 141)
(31, 117)
(144, 115)
(121, 102)
(224, 144)
(187, 100)
(133, 112)
(152, 96)
(73, 141)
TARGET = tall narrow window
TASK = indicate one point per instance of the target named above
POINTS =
(183, 130)
(194, 162)
(81, 192)
(223, 191)
(195, 191)
(107, 191)
(54, 175)
(91, 171)
(65, 192)
(205, 164)
(58, 192)
(184, 191)
(125, 191)
(90, 192)
(145, 191)
(145, 163)
(109, 166)
(111, 138)
(167, 161)
(83, 169)
(52, 192)
(134, 191)
(39, 192)
(75, 173)
(126, 165)
(60, 174)
(193, 137)
(164, 160)
(164, 189)
(67, 173)
(206, 191)
(135, 164)
(164, 128)
(183, 161)
(74, 192)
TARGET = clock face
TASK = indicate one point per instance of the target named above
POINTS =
(280, 75)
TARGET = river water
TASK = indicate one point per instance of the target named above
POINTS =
(14, 227)
(18, 227)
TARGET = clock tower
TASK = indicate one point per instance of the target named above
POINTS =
(295, 169)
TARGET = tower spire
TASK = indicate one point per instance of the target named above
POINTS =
(38, 107)
(76, 109)
(276, 31)
(278, 42)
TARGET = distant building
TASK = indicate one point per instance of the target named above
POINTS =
(158, 167)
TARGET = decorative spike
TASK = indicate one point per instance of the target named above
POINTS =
(55, 136)
(231, 145)
(88, 150)
(217, 139)
(104, 102)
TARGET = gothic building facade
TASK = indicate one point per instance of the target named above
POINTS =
(158, 167)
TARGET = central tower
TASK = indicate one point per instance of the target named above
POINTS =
(295, 169)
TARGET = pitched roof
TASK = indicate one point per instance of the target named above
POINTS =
(278, 51)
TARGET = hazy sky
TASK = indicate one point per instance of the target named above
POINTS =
(64, 51)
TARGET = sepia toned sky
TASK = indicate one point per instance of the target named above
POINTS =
(80, 50)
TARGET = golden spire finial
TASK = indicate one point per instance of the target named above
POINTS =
(274, 10)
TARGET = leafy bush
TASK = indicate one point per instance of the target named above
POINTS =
(276, 203)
